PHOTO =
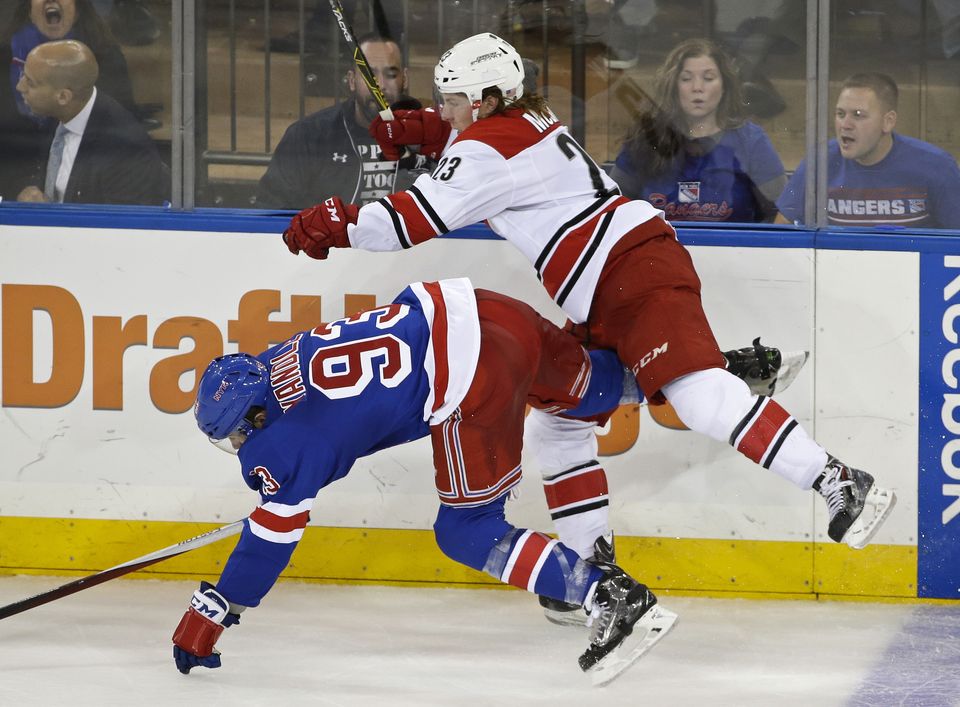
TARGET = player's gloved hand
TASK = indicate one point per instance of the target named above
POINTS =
(199, 629)
(318, 229)
(411, 127)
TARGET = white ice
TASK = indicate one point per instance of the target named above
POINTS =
(310, 644)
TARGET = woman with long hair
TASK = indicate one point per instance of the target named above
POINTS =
(694, 154)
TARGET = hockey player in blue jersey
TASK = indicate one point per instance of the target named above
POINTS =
(441, 360)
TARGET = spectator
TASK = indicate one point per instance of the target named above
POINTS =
(330, 151)
(694, 155)
(23, 135)
(99, 153)
(875, 176)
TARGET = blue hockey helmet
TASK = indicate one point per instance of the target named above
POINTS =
(230, 386)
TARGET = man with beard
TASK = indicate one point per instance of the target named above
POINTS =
(331, 152)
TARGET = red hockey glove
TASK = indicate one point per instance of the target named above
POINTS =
(318, 229)
(411, 127)
(199, 629)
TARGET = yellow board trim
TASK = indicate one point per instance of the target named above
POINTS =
(683, 566)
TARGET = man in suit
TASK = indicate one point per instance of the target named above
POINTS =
(99, 153)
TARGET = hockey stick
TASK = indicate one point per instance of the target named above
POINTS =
(361, 61)
(93, 580)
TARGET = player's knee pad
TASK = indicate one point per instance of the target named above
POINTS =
(558, 442)
(711, 402)
(468, 534)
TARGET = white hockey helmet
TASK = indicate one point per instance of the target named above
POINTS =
(479, 62)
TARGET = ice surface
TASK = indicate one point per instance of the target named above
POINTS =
(312, 644)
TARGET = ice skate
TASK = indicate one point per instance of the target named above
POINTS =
(856, 504)
(626, 622)
(565, 613)
(765, 369)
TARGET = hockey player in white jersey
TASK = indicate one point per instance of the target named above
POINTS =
(614, 265)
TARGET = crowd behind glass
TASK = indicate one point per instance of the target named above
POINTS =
(697, 106)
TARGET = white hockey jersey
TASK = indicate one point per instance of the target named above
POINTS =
(534, 185)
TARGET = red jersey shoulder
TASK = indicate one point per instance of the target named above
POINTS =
(510, 132)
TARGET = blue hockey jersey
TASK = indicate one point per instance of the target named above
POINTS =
(340, 392)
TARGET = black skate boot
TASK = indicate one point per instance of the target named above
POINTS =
(626, 622)
(763, 368)
(857, 506)
(565, 613)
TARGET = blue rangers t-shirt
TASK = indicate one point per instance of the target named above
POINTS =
(716, 179)
(915, 185)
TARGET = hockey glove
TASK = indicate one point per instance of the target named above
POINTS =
(199, 629)
(318, 229)
(411, 127)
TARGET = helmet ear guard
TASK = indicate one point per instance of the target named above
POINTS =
(479, 62)
(228, 388)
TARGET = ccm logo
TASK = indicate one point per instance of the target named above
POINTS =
(201, 605)
(647, 358)
(332, 210)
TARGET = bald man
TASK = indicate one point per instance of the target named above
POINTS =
(100, 154)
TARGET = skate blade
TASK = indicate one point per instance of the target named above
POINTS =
(790, 364)
(566, 618)
(880, 501)
(651, 627)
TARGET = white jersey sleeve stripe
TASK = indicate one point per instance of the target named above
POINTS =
(421, 200)
(397, 223)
